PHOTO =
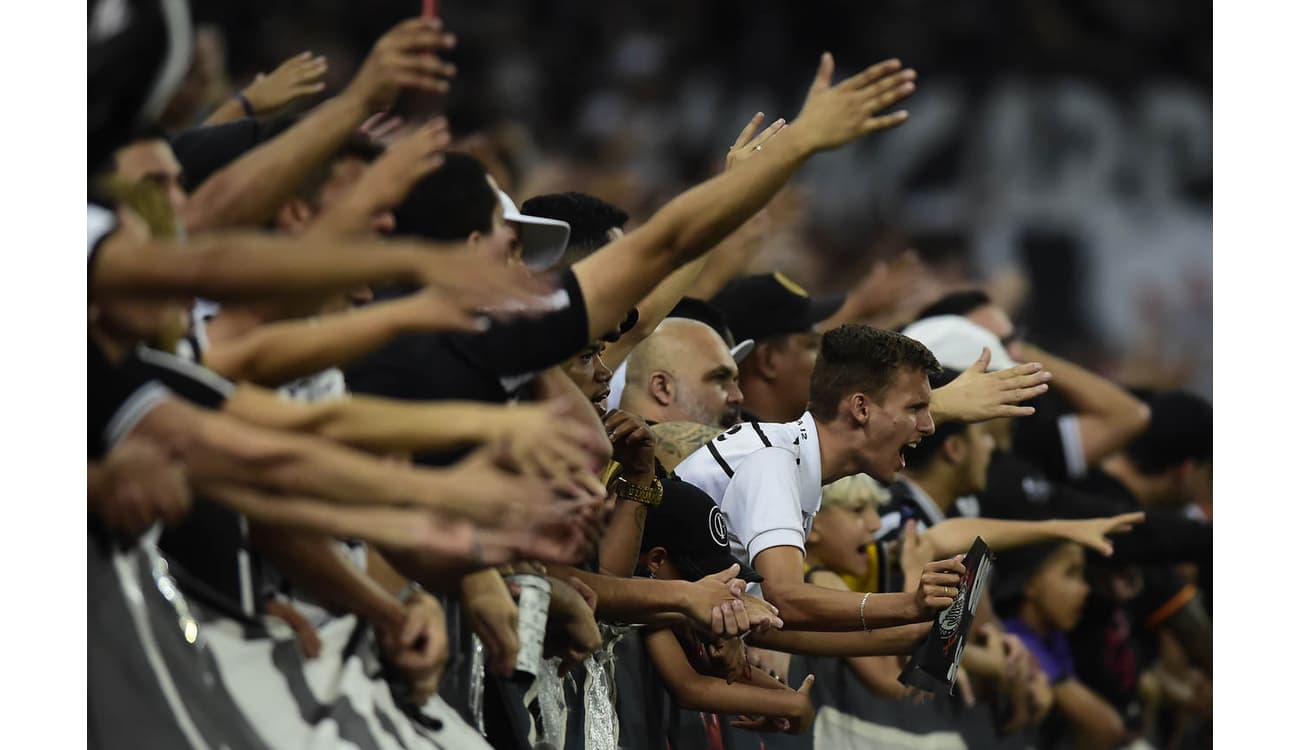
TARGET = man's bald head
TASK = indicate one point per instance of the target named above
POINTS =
(683, 371)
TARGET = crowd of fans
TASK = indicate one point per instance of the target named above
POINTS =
(382, 456)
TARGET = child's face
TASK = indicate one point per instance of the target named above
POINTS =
(841, 534)
(1059, 590)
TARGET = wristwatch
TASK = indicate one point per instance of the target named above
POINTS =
(652, 495)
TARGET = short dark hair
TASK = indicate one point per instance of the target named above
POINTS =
(956, 303)
(1181, 429)
(589, 217)
(358, 146)
(454, 201)
(857, 357)
(923, 455)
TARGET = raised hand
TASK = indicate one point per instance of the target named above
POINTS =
(406, 161)
(633, 442)
(1093, 532)
(747, 144)
(835, 115)
(299, 76)
(977, 395)
(405, 57)
(938, 587)
(915, 551)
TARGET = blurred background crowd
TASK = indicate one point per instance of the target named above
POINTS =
(1059, 153)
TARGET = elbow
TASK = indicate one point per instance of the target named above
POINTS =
(1139, 419)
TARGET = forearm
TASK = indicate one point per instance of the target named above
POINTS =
(283, 351)
(891, 641)
(315, 564)
(705, 215)
(225, 448)
(434, 572)
(956, 535)
(681, 231)
(652, 310)
(252, 189)
(620, 545)
(639, 601)
(694, 691)
(229, 111)
(233, 266)
(385, 425)
(807, 607)
(713, 694)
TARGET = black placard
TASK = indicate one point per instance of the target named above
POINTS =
(933, 666)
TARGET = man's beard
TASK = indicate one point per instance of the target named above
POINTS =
(730, 417)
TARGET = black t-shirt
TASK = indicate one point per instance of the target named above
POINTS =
(1049, 438)
(490, 366)
(209, 548)
(116, 399)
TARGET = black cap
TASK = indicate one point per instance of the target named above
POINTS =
(758, 307)
(690, 526)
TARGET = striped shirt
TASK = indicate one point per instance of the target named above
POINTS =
(766, 478)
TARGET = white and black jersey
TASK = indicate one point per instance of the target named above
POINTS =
(766, 478)
(210, 547)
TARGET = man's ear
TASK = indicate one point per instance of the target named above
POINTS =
(662, 388)
(764, 359)
(860, 408)
(654, 559)
(294, 216)
(955, 448)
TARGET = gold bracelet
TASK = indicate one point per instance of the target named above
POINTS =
(652, 495)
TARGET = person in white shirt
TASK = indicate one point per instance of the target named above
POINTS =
(870, 398)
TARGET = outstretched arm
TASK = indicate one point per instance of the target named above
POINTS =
(957, 534)
(252, 189)
(806, 606)
(697, 692)
(657, 304)
(629, 268)
(277, 353)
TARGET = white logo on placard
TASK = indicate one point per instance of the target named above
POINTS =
(717, 526)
